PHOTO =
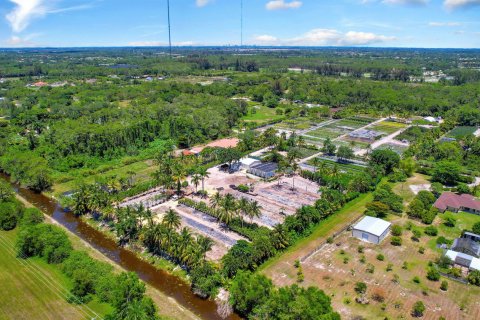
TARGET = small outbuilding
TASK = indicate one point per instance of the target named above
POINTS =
(371, 229)
(464, 260)
(263, 169)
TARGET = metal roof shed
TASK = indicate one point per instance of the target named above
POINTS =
(371, 229)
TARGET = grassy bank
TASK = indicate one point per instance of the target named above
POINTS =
(168, 308)
(33, 289)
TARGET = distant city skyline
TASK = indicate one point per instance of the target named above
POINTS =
(377, 23)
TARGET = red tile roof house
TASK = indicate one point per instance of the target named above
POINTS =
(453, 202)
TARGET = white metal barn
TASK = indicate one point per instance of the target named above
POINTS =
(371, 229)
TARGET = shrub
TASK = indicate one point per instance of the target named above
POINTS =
(431, 231)
(416, 234)
(360, 287)
(396, 241)
(442, 240)
(46, 241)
(433, 274)
(476, 228)
(396, 230)
(370, 268)
(243, 188)
(418, 309)
(378, 295)
(416, 279)
(363, 259)
(444, 285)
(389, 267)
(31, 216)
(405, 265)
(361, 249)
(421, 250)
(474, 277)
(380, 257)
(8, 216)
(206, 280)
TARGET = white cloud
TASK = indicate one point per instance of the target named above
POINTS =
(23, 13)
(409, 2)
(16, 41)
(456, 4)
(266, 39)
(444, 24)
(202, 3)
(159, 43)
(356, 38)
(27, 10)
(326, 37)
(281, 4)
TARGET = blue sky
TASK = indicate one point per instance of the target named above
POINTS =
(392, 23)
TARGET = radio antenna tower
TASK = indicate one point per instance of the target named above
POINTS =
(241, 23)
(169, 30)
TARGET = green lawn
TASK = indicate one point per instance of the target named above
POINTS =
(345, 167)
(388, 127)
(33, 289)
(142, 171)
(460, 132)
(260, 113)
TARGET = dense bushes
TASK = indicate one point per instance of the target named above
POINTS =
(89, 277)
(421, 207)
(255, 297)
(44, 240)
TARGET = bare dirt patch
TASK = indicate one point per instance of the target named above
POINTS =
(338, 267)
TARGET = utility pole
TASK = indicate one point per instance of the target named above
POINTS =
(169, 31)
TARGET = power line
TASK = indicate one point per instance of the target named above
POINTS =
(47, 281)
(169, 30)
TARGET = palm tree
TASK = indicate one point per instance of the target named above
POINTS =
(196, 180)
(216, 200)
(171, 220)
(254, 210)
(203, 174)
(179, 173)
(292, 157)
(205, 244)
(280, 237)
(243, 207)
(316, 162)
(184, 244)
(228, 206)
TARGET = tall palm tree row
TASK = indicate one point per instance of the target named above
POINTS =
(226, 208)
(168, 240)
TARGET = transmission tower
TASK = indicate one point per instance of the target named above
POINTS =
(169, 30)
(241, 23)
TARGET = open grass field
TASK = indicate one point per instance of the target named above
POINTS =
(460, 132)
(305, 153)
(140, 171)
(344, 167)
(300, 123)
(260, 114)
(388, 127)
(394, 147)
(33, 289)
